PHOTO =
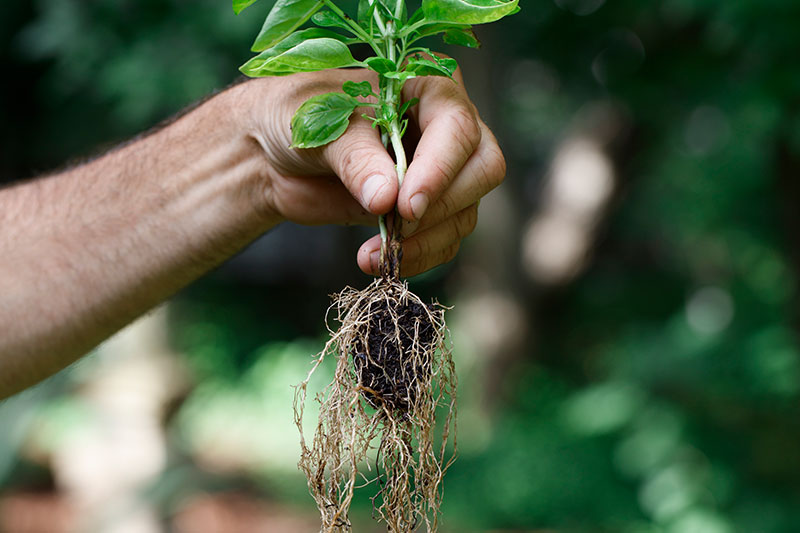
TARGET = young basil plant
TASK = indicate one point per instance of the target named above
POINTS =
(393, 36)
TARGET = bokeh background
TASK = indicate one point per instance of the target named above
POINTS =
(625, 316)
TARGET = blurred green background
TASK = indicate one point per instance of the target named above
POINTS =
(625, 316)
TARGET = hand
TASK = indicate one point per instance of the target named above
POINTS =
(455, 163)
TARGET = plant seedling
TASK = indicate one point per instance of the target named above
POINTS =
(394, 370)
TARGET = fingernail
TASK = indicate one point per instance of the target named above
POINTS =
(374, 260)
(419, 203)
(371, 188)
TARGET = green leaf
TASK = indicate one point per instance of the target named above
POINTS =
(418, 16)
(436, 67)
(365, 10)
(239, 5)
(284, 18)
(322, 119)
(329, 19)
(306, 56)
(461, 37)
(403, 76)
(362, 88)
(251, 67)
(407, 105)
(468, 11)
(381, 65)
(433, 28)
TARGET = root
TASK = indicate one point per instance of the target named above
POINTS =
(394, 371)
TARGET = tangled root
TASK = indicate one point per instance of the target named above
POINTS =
(377, 419)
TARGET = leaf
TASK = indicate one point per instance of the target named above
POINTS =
(468, 11)
(433, 28)
(437, 67)
(329, 19)
(403, 76)
(365, 10)
(362, 88)
(461, 37)
(284, 18)
(418, 16)
(307, 56)
(407, 105)
(239, 5)
(380, 65)
(288, 43)
(322, 119)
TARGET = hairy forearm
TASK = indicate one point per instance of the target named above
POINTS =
(86, 251)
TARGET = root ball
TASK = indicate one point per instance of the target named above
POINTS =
(378, 417)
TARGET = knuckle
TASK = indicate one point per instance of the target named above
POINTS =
(497, 167)
(471, 220)
(266, 202)
(355, 158)
(447, 205)
(464, 224)
(449, 253)
(441, 172)
(416, 249)
(466, 125)
(492, 170)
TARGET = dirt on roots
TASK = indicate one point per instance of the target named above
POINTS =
(378, 417)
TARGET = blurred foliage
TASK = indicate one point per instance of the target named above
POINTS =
(661, 393)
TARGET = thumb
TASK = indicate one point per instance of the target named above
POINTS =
(362, 163)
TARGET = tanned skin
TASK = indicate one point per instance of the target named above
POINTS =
(86, 251)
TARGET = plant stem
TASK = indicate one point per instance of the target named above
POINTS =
(356, 29)
(378, 19)
(390, 95)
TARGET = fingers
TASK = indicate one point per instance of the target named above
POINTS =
(427, 248)
(451, 133)
(364, 166)
(483, 171)
(436, 236)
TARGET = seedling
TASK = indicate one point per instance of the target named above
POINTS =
(394, 370)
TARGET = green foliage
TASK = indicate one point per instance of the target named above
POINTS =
(461, 37)
(468, 11)
(240, 5)
(438, 66)
(322, 119)
(307, 56)
(284, 18)
(380, 23)
(354, 89)
(330, 19)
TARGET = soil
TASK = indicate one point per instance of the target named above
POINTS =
(383, 352)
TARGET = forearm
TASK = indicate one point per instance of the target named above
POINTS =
(84, 252)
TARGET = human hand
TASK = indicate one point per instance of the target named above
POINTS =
(456, 162)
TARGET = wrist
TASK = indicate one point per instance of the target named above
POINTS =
(258, 121)
(232, 166)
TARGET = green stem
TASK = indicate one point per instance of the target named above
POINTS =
(390, 95)
(378, 19)
(357, 30)
(408, 30)
(399, 150)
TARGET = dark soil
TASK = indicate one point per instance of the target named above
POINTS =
(392, 353)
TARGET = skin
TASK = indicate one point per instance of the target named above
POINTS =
(88, 250)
